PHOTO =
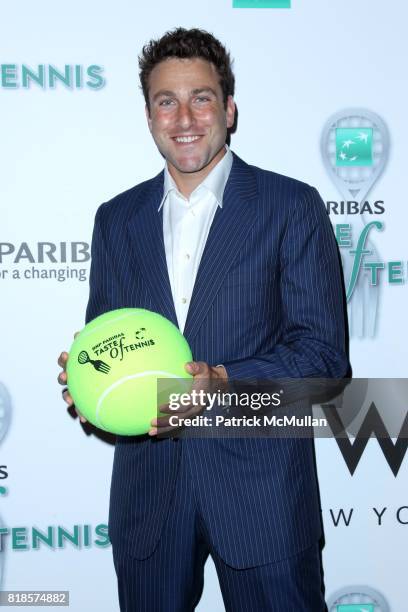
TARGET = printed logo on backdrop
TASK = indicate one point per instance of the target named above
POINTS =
(52, 536)
(44, 261)
(355, 149)
(5, 411)
(47, 76)
(5, 420)
(342, 517)
(370, 408)
(261, 3)
(357, 599)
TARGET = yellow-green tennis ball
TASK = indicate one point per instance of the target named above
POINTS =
(117, 365)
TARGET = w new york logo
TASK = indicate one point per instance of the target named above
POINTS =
(371, 408)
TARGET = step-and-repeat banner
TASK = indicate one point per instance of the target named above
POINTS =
(322, 97)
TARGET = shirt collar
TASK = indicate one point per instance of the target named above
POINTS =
(214, 182)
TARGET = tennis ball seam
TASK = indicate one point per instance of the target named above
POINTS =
(117, 383)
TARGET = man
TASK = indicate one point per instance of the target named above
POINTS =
(245, 262)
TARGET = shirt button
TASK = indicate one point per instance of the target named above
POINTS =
(187, 256)
(184, 300)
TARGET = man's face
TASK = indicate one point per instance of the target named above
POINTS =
(188, 119)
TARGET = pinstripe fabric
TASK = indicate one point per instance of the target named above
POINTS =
(267, 303)
(171, 579)
(293, 584)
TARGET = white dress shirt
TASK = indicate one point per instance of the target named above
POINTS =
(186, 224)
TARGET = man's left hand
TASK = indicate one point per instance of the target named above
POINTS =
(206, 378)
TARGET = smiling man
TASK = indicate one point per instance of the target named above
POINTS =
(244, 261)
(188, 122)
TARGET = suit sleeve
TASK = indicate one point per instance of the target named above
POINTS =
(101, 279)
(312, 342)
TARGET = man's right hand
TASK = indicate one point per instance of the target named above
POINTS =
(62, 379)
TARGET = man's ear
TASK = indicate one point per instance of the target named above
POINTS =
(230, 111)
(149, 120)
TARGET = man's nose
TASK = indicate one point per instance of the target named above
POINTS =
(185, 117)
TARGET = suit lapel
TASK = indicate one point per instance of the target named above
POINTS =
(229, 228)
(228, 231)
(146, 236)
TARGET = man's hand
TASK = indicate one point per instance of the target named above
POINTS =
(62, 379)
(206, 378)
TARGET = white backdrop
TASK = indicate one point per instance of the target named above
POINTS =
(64, 150)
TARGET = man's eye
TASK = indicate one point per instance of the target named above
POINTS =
(202, 99)
(165, 102)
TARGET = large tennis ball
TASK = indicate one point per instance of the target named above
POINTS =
(123, 365)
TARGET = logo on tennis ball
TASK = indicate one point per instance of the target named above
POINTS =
(100, 366)
(116, 348)
(116, 363)
(139, 333)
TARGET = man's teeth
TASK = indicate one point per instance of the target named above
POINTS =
(186, 138)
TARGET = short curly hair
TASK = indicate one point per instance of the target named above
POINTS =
(186, 44)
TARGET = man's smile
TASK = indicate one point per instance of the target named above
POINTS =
(186, 139)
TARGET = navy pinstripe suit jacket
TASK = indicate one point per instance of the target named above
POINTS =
(267, 303)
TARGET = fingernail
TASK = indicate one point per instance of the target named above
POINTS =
(153, 432)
